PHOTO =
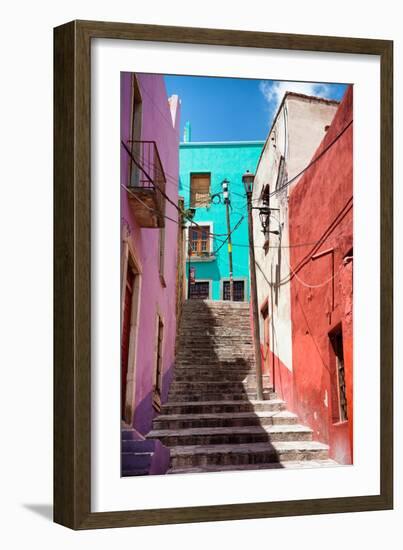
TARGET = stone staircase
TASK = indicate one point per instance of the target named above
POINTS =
(142, 456)
(212, 420)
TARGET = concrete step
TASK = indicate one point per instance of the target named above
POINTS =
(249, 453)
(136, 462)
(287, 465)
(208, 329)
(221, 406)
(127, 432)
(195, 362)
(262, 418)
(225, 322)
(216, 366)
(210, 352)
(142, 446)
(204, 334)
(213, 333)
(214, 348)
(232, 435)
(214, 386)
(245, 395)
(218, 375)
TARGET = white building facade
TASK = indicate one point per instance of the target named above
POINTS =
(297, 130)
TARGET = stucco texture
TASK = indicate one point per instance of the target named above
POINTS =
(156, 125)
(320, 210)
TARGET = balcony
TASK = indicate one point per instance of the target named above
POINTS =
(202, 256)
(146, 186)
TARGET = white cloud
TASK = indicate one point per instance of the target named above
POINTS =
(274, 90)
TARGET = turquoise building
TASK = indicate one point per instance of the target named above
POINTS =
(203, 166)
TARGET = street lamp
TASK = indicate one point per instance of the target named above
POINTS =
(225, 184)
(189, 214)
(248, 179)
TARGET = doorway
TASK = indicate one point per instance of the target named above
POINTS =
(157, 383)
(125, 342)
(266, 338)
(130, 305)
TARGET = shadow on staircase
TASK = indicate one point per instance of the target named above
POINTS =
(212, 420)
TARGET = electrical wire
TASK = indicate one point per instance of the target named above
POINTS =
(235, 227)
(313, 161)
(339, 217)
(154, 211)
(303, 283)
(169, 122)
(181, 212)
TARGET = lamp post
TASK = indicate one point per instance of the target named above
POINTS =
(190, 214)
(247, 180)
(227, 203)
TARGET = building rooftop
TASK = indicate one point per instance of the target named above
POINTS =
(311, 98)
(219, 143)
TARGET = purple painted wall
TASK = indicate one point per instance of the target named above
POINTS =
(157, 125)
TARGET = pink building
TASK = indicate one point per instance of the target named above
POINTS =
(149, 232)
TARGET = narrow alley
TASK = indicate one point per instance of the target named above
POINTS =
(236, 276)
(212, 420)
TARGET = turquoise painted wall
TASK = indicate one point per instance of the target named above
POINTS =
(224, 160)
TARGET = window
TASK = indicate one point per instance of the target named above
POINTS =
(199, 190)
(266, 195)
(199, 290)
(199, 240)
(239, 291)
(339, 398)
(281, 173)
(135, 131)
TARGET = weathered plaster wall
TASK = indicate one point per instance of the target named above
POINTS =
(325, 192)
(160, 123)
(295, 134)
(226, 160)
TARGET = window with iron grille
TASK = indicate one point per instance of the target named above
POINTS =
(239, 290)
(200, 290)
(281, 173)
(265, 197)
(199, 190)
(339, 396)
(199, 239)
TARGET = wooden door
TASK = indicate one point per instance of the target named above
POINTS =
(157, 390)
(266, 338)
(127, 315)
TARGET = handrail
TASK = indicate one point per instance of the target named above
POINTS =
(146, 170)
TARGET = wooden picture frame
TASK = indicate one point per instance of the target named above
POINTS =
(72, 271)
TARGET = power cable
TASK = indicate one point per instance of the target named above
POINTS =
(313, 161)
(181, 212)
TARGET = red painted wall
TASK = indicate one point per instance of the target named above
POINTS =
(320, 211)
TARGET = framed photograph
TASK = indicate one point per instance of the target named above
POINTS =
(222, 260)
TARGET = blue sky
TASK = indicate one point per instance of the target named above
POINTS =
(236, 109)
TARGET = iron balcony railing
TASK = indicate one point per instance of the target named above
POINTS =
(146, 172)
